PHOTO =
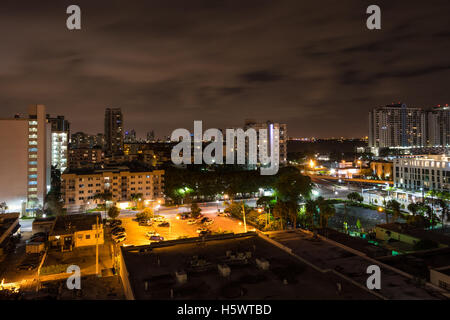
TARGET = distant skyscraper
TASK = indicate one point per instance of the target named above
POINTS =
(60, 139)
(282, 138)
(130, 136)
(439, 127)
(151, 136)
(113, 131)
(397, 126)
(25, 162)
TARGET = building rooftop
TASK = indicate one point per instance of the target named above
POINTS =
(67, 224)
(286, 277)
(115, 169)
(419, 233)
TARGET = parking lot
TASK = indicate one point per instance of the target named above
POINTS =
(178, 228)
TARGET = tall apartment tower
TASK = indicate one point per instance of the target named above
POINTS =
(60, 129)
(25, 164)
(397, 125)
(439, 127)
(113, 131)
(282, 137)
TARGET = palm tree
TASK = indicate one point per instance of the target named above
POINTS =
(136, 198)
(413, 208)
(395, 206)
(311, 212)
(104, 197)
(326, 210)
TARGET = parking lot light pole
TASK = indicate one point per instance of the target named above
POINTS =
(243, 212)
(96, 248)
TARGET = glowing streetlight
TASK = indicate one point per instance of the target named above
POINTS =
(312, 164)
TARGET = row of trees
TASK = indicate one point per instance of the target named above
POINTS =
(291, 189)
(202, 183)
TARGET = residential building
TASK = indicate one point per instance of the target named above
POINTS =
(151, 136)
(25, 163)
(85, 157)
(130, 136)
(82, 140)
(76, 230)
(439, 127)
(60, 141)
(382, 169)
(397, 125)
(424, 173)
(281, 138)
(113, 131)
(79, 187)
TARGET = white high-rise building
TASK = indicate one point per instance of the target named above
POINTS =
(439, 127)
(59, 149)
(25, 162)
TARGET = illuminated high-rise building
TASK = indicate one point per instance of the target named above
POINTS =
(113, 131)
(25, 141)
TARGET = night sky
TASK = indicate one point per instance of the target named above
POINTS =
(311, 64)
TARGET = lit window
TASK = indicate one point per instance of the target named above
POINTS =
(32, 183)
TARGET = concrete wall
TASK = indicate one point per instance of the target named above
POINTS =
(123, 272)
(381, 234)
(13, 162)
(87, 238)
(439, 278)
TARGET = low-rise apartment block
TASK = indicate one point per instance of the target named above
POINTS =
(79, 187)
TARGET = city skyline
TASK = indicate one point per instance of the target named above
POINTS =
(315, 67)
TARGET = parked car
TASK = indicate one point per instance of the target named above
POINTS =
(117, 230)
(26, 266)
(152, 233)
(159, 219)
(118, 235)
(208, 222)
(120, 238)
(145, 222)
(223, 214)
(115, 223)
(164, 224)
(192, 221)
(200, 230)
(156, 238)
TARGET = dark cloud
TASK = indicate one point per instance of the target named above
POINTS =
(261, 76)
(311, 64)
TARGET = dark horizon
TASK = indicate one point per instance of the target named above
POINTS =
(314, 66)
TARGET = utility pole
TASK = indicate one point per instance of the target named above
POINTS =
(243, 212)
(96, 248)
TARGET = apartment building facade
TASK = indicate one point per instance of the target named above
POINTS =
(25, 162)
(397, 125)
(79, 187)
(422, 173)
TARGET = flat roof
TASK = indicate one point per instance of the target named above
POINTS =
(70, 223)
(326, 255)
(419, 233)
(286, 278)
